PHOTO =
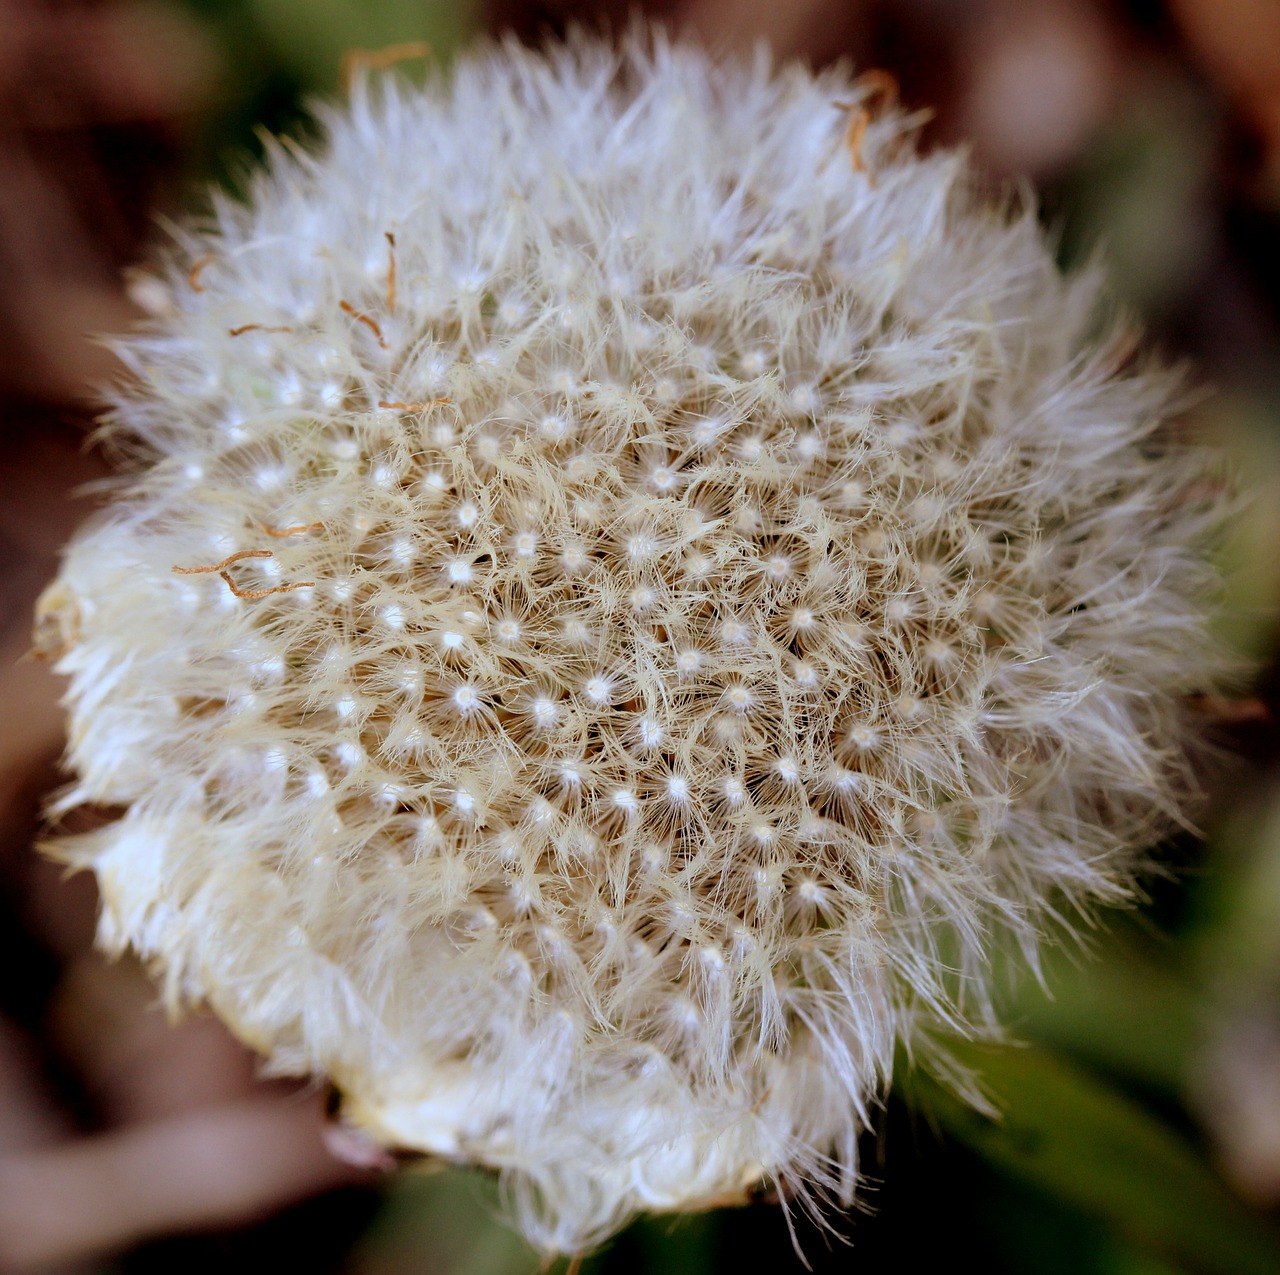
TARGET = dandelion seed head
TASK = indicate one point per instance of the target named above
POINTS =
(734, 591)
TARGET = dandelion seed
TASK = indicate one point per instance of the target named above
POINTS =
(545, 713)
(349, 753)
(459, 571)
(650, 732)
(805, 674)
(466, 699)
(862, 737)
(689, 661)
(641, 547)
(625, 800)
(598, 690)
(787, 770)
(695, 566)
(575, 633)
(734, 632)
(574, 559)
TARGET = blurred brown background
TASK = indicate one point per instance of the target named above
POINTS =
(1151, 131)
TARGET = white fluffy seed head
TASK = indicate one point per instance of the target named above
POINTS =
(722, 589)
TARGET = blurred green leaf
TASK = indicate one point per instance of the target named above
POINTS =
(1031, 1230)
(451, 1223)
(1128, 1007)
(1245, 422)
(1072, 1135)
(278, 54)
(1236, 945)
(1142, 192)
(443, 1223)
(679, 1245)
(310, 36)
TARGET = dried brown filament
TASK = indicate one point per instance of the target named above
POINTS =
(356, 60)
(1228, 711)
(857, 130)
(391, 272)
(257, 327)
(197, 269)
(878, 80)
(298, 530)
(372, 324)
(262, 593)
(238, 556)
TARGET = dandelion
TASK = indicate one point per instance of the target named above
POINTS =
(703, 628)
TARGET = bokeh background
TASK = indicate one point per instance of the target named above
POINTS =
(1141, 1111)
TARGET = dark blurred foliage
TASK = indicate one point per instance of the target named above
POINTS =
(1141, 1128)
